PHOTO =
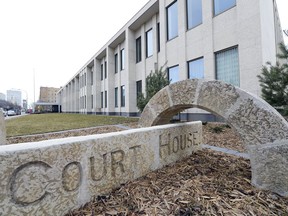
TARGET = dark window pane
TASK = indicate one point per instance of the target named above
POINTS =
(122, 96)
(138, 50)
(116, 63)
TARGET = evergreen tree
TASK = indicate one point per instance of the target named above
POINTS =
(274, 81)
(154, 83)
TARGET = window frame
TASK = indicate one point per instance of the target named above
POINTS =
(167, 21)
(215, 61)
(187, 17)
(137, 88)
(146, 42)
(223, 11)
(105, 69)
(138, 49)
(101, 72)
(168, 73)
(116, 97)
(116, 63)
(188, 65)
(122, 59)
(122, 92)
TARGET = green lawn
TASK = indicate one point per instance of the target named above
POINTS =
(42, 123)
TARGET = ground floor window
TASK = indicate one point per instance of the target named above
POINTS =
(173, 74)
(123, 96)
(227, 66)
(196, 68)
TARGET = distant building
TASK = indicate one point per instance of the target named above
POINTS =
(14, 96)
(2, 96)
(48, 94)
(47, 100)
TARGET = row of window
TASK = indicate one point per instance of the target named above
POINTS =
(227, 70)
(227, 67)
(104, 97)
(193, 14)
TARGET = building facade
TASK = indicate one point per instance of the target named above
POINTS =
(14, 96)
(2, 96)
(227, 40)
(48, 94)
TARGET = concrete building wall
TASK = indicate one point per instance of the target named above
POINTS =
(251, 25)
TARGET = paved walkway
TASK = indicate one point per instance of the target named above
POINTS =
(227, 151)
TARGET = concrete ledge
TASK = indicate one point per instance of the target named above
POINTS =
(269, 165)
(54, 176)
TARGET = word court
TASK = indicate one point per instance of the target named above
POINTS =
(57, 175)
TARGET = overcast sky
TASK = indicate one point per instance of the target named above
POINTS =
(55, 38)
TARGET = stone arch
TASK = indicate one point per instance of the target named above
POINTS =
(254, 119)
(263, 130)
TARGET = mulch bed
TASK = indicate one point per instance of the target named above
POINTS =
(206, 183)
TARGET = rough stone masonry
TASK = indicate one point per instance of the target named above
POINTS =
(54, 176)
(263, 130)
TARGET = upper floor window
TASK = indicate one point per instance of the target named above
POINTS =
(149, 43)
(158, 37)
(122, 56)
(227, 66)
(101, 72)
(196, 68)
(223, 5)
(138, 50)
(91, 77)
(116, 62)
(194, 13)
(173, 74)
(172, 21)
(105, 69)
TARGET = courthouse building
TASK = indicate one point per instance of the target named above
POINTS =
(226, 40)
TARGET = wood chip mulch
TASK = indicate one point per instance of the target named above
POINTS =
(206, 183)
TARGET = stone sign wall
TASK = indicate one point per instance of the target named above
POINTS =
(51, 177)
(257, 123)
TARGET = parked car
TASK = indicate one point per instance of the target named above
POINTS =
(11, 113)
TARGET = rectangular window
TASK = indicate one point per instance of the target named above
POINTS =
(172, 21)
(105, 69)
(116, 97)
(85, 79)
(149, 43)
(105, 99)
(122, 56)
(222, 5)
(91, 78)
(85, 100)
(123, 96)
(196, 68)
(102, 100)
(91, 101)
(194, 13)
(173, 74)
(138, 88)
(227, 66)
(116, 63)
(138, 50)
(158, 37)
(101, 72)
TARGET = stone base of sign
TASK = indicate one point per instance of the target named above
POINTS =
(269, 165)
(54, 176)
(2, 130)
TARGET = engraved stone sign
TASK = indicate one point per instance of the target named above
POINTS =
(54, 176)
